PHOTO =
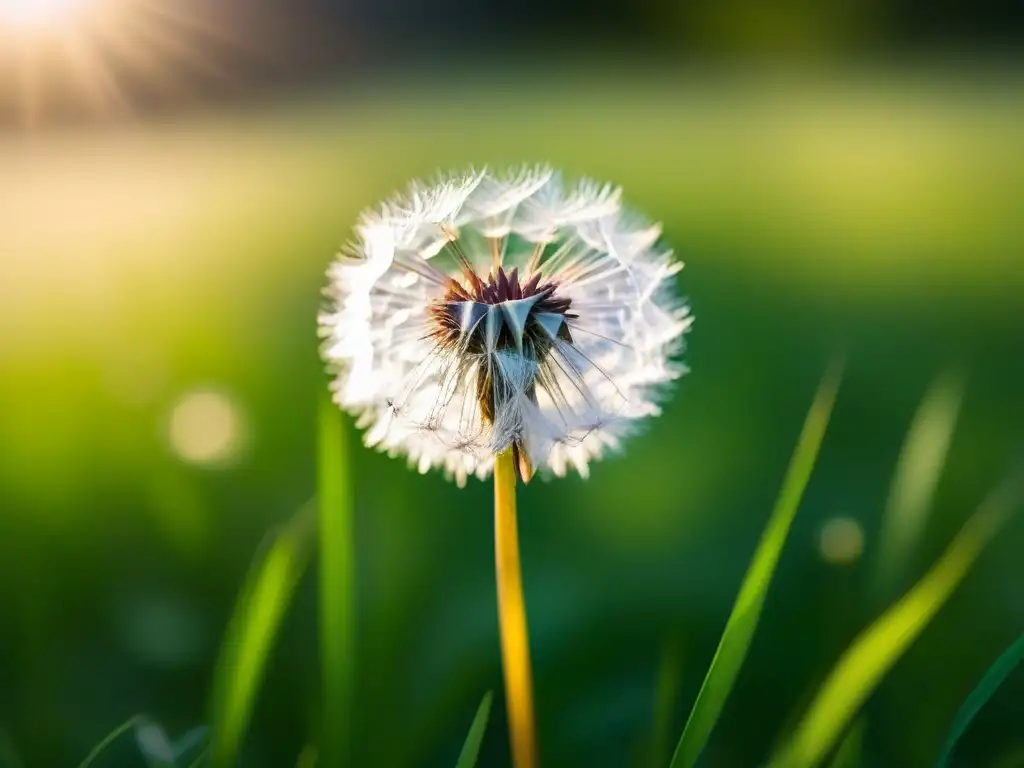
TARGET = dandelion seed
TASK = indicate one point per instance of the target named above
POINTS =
(487, 313)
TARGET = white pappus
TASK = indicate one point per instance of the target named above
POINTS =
(489, 312)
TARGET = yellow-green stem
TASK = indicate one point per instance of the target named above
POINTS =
(515, 644)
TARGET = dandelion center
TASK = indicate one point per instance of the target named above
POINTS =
(502, 314)
(520, 321)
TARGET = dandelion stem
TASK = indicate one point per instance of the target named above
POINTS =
(515, 646)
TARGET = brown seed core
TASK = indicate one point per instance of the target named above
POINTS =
(501, 286)
(459, 322)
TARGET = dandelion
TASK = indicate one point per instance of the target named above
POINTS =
(507, 324)
(489, 313)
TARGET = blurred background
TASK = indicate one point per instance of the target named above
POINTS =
(174, 179)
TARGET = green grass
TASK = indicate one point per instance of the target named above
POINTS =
(670, 675)
(471, 747)
(850, 751)
(917, 476)
(267, 595)
(109, 739)
(878, 648)
(827, 730)
(249, 639)
(739, 629)
(994, 676)
(337, 588)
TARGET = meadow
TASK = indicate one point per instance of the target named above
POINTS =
(163, 424)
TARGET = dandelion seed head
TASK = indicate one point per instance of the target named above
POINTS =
(484, 312)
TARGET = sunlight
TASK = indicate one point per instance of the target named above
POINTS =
(37, 13)
(96, 57)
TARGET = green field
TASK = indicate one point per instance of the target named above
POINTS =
(877, 216)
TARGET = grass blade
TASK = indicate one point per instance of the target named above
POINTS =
(337, 585)
(849, 754)
(917, 475)
(878, 647)
(471, 747)
(258, 614)
(990, 681)
(192, 739)
(109, 739)
(739, 630)
(670, 674)
(307, 757)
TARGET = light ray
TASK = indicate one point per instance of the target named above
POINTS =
(36, 14)
(29, 85)
(96, 80)
(98, 55)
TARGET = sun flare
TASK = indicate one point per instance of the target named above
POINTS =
(96, 56)
(38, 13)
